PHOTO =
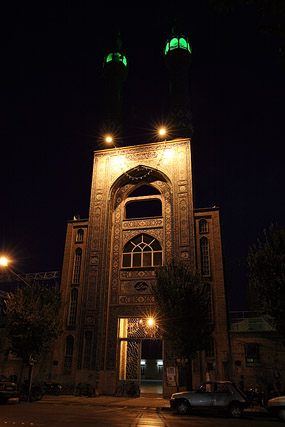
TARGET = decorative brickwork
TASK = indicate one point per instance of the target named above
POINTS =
(110, 291)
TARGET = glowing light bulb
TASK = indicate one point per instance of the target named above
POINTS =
(3, 261)
(108, 139)
(162, 131)
(150, 321)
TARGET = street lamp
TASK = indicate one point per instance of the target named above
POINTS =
(4, 263)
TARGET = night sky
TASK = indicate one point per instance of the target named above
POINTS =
(51, 98)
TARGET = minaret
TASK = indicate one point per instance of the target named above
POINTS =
(114, 74)
(177, 54)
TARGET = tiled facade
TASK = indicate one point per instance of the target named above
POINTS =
(97, 347)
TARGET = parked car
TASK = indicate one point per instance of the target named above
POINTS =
(211, 396)
(8, 389)
(276, 407)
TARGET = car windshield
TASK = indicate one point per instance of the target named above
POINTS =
(204, 388)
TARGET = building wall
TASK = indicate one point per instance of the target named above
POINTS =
(215, 364)
(64, 363)
(108, 291)
(258, 358)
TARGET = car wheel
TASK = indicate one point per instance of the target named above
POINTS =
(235, 410)
(281, 414)
(183, 407)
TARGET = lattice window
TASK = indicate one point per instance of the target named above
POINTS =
(134, 327)
(142, 251)
(68, 351)
(80, 235)
(73, 307)
(129, 360)
(205, 256)
(77, 265)
(203, 226)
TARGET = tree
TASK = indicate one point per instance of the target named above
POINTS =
(266, 262)
(268, 18)
(183, 301)
(33, 320)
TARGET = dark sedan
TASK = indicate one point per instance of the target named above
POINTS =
(8, 389)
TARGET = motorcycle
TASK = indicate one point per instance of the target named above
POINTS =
(52, 388)
(36, 392)
(84, 389)
(255, 396)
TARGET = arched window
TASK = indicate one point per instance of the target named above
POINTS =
(182, 43)
(174, 43)
(142, 251)
(205, 256)
(77, 265)
(69, 344)
(203, 226)
(79, 235)
(73, 307)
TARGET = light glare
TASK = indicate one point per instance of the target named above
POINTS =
(3, 261)
(109, 139)
(162, 131)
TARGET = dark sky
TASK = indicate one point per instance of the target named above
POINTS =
(51, 97)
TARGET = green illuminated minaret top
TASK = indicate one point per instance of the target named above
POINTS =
(178, 56)
(114, 74)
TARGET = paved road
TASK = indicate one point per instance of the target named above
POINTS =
(70, 415)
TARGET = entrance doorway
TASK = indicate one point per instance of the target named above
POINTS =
(140, 356)
(151, 367)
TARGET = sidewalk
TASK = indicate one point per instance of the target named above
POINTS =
(136, 402)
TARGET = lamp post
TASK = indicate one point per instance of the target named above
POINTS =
(4, 263)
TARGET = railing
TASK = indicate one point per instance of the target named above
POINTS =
(248, 321)
(46, 275)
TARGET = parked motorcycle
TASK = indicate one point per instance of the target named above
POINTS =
(36, 392)
(255, 396)
(84, 389)
(52, 388)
